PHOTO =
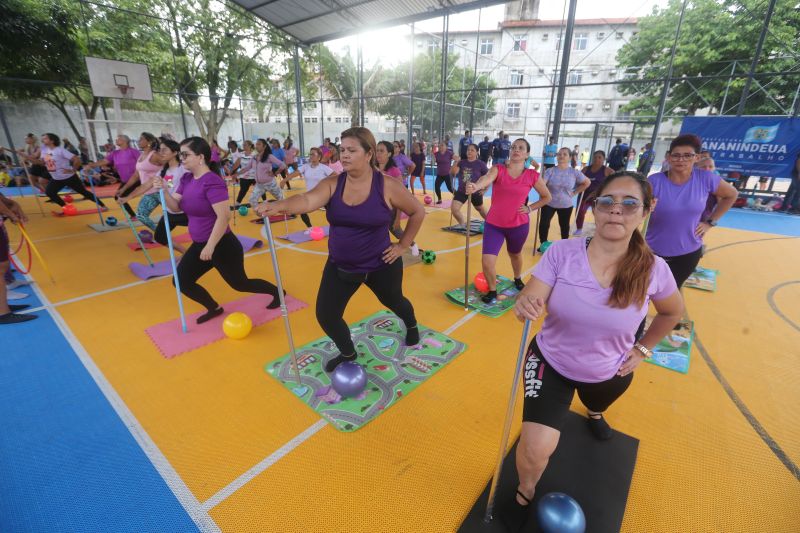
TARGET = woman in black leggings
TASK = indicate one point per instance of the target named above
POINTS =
(203, 196)
(564, 183)
(249, 178)
(444, 159)
(62, 164)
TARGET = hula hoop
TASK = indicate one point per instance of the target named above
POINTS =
(30, 258)
(21, 242)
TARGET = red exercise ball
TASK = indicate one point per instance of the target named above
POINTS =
(428, 199)
(317, 233)
(68, 198)
(70, 210)
(480, 282)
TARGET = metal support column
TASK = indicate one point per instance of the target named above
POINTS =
(562, 75)
(475, 77)
(321, 115)
(410, 122)
(360, 85)
(445, 43)
(754, 64)
(663, 101)
(298, 99)
(241, 119)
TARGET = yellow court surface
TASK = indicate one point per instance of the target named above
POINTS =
(719, 446)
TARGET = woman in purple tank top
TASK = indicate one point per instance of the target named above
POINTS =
(597, 173)
(359, 204)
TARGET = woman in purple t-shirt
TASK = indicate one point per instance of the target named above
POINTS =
(675, 231)
(359, 204)
(444, 158)
(597, 172)
(387, 164)
(203, 196)
(418, 158)
(596, 292)
(468, 170)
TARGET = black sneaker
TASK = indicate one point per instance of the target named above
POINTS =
(600, 428)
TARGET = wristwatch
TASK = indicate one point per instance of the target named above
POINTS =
(645, 351)
(711, 222)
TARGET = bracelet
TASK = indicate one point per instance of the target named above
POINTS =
(646, 352)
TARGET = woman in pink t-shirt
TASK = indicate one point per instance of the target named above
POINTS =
(148, 165)
(386, 164)
(597, 291)
(333, 160)
(507, 219)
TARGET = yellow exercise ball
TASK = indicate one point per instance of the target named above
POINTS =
(237, 325)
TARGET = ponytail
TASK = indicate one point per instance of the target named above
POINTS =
(633, 274)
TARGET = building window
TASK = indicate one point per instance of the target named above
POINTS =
(487, 47)
(366, 120)
(621, 113)
(536, 107)
(339, 104)
(330, 119)
(516, 77)
(307, 120)
(581, 39)
(314, 120)
(310, 105)
(338, 120)
(278, 120)
(620, 35)
(520, 42)
(512, 110)
(601, 35)
(570, 110)
(574, 77)
(544, 36)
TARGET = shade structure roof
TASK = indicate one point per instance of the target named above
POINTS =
(315, 21)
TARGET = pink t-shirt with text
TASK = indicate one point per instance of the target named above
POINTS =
(583, 338)
(508, 195)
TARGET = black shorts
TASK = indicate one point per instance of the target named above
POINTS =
(548, 394)
(40, 171)
(477, 198)
(3, 242)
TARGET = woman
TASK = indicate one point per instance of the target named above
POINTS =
(313, 172)
(233, 156)
(262, 166)
(32, 153)
(172, 173)
(596, 291)
(444, 159)
(468, 170)
(418, 158)
(791, 202)
(289, 159)
(333, 160)
(203, 196)
(359, 204)
(631, 161)
(148, 166)
(217, 153)
(597, 172)
(123, 160)
(9, 209)
(675, 231)
(245, 179)
(403, 162)
(62, 165)
(563, 182)
(386, 164)
(508, 216)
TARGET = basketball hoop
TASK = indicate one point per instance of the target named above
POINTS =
(126, 91)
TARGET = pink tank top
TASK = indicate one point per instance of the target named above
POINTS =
(147, 170)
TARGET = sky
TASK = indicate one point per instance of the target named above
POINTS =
(383, 43)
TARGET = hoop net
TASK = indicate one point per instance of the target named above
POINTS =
(126, 91)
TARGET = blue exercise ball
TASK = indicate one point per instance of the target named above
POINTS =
(349, 379)
(111, 221)
(560, 513)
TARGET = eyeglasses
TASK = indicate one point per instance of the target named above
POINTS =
(184, 155)
(605, 204)
(685, 156)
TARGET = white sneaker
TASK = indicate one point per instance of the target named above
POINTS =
(414, 249)
(13, 295)
(17, 283)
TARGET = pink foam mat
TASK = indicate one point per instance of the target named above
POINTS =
(171, 341)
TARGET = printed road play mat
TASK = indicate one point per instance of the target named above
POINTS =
(475, 228)
(506, 296)
(674, 351)
(393, 369)
(704, 279)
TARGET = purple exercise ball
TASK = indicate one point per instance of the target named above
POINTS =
(349, 379)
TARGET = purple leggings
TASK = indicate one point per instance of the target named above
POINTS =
(493, 237)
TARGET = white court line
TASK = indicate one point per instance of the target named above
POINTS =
(283, 451)
(287, 448)
(184, 496)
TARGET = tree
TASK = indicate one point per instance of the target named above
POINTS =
(713, 35)
(339, 77)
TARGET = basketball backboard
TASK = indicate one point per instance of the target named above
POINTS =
(119, 79)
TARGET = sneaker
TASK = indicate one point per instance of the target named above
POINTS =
(17, 283)
(578, 232)
(599, 427)
(307, 232)
(414, 249)
(13, 295)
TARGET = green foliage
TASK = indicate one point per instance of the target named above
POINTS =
(714, 33)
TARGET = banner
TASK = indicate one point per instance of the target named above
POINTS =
(753, 146)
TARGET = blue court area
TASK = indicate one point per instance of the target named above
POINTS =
(765, 222)
(67, 461)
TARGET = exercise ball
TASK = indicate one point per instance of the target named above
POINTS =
(316, 233)
(480, 282)
(146, 236)
(237, 325)
(68, 198)
(349, 379)
(69, 210)
(111, 221)
(428, 257)
(560, 513)
(428, 200)
(243, 210)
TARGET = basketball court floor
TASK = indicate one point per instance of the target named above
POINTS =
(100, 432)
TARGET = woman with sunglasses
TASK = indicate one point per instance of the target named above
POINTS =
(593, 293)
(508, 218)
(203, 196)
(563, 182)
(675, 231)
(359, 206)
